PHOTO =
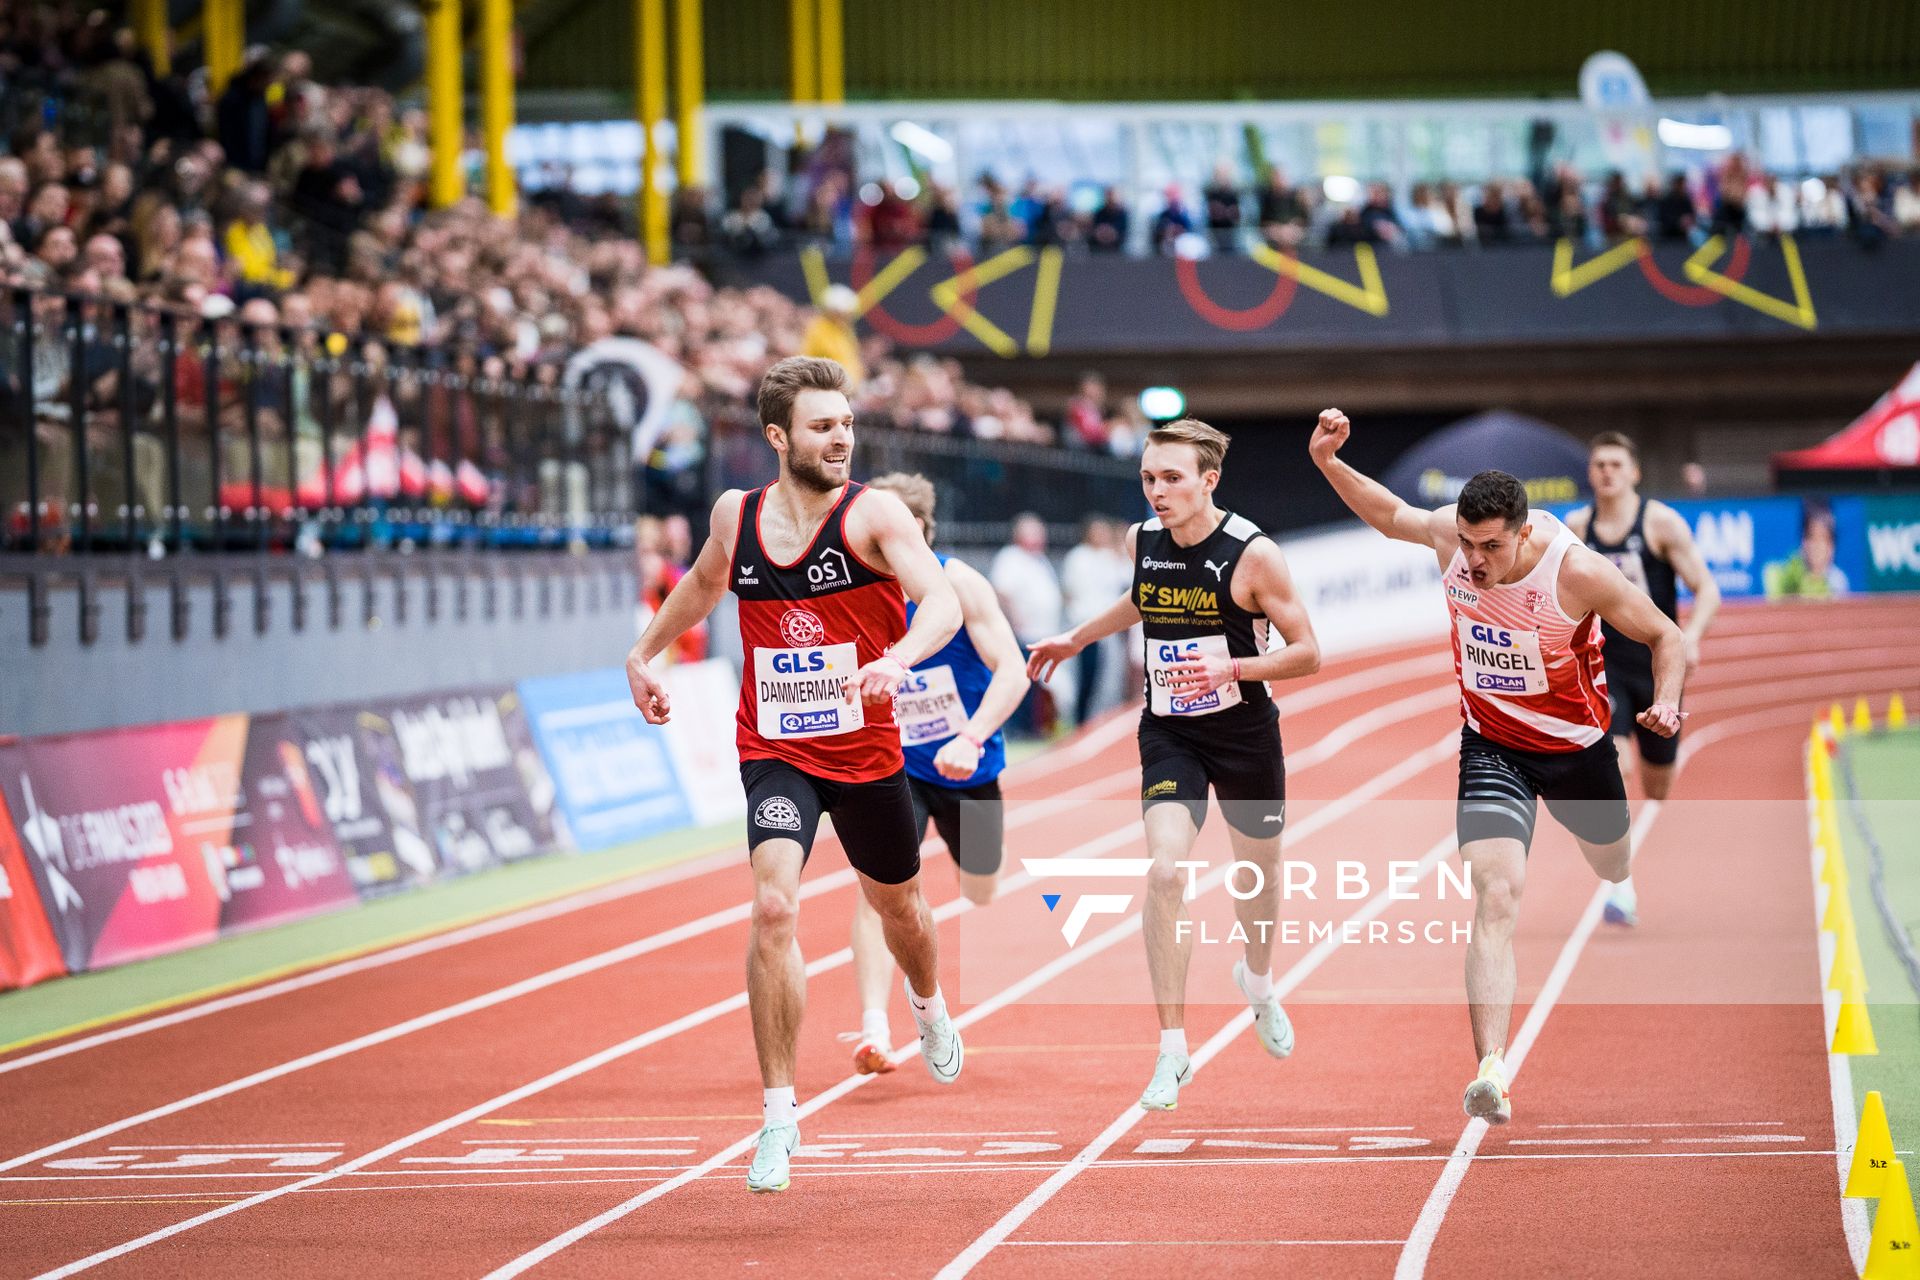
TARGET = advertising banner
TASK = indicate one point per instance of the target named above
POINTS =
(1893, 542)
(1743, 540)
(614, 772)
(363, 794)
(705, 753)
(480, 794)
(29, 952)
(149, 839)
(1363, 590)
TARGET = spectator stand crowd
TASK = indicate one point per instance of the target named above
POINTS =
(1238, 208)
(282, 230)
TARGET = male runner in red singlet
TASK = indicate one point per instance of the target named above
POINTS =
(1527, 601)
(820, 565)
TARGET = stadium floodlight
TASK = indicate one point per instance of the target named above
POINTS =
(922, 141)
(1340, 188)
(1682, 136)
(1163, 404)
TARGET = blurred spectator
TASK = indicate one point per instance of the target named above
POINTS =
(943, 218)
(250, 245)
(245, 125)
(1673, 213)
(1086, 421)
(1283, 212)
(1172, 222)
(1694, 477)
(1222, 197)
(1380, 223)
(1093, 575)
(830, 333)
(1029, 592)
(1491, 225)
(1111, 223)
(1620, 213)
(748, 230)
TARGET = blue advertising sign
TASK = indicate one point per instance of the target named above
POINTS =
(616, 780)
(1743, 540)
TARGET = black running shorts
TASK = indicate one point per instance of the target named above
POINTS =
(874, 820)
(972, 820)
(1238, 756)
(1499, 785)
(1630, 687)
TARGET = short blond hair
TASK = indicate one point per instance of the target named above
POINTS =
(913, 489)
(1210, 443)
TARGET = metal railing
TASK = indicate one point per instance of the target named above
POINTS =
(133, 427)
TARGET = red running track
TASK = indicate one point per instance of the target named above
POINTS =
(461, 1110)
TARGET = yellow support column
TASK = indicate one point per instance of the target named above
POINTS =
(496, 102)
(222, 41)
(650, 74)
(156, 37)
(446, 127)
(803, 32)
(690, 92)
(833, 53)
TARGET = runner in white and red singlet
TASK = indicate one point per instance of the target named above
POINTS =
(1526, 601)
(820, 565)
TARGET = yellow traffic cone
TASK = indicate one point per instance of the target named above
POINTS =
(1894, 1253)
(1837, 918)
(1853, 1031)
(1819, 763)
(1862, 717)
(1896, 712)
(1837, 722)
(1872, 1152)
(1848, 975)
(1833, 871)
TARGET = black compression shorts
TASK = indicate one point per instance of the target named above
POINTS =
(874, 820)
(1499, 785)
(972, 820)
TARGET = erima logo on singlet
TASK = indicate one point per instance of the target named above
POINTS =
(746, 575)
(1148, 562)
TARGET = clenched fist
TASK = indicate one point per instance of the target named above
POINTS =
(1329, 435)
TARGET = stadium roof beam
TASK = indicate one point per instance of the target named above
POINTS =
(496, 102)
(445, 108)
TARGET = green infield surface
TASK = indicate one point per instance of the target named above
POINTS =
(1878, 792)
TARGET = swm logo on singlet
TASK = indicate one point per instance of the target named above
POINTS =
(798, 691)
(1500, 661)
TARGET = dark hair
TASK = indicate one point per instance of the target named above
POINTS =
(1494, 495)
(1615, 440)
(787, 379)
(1816, 511)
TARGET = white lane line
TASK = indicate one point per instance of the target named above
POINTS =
(226, 1146)
(962, 1133)
(1126, 1120)
(1334, 1128)
(1413, 1259)
(1380, 784)
(1177, 1244)
(1674, 1124)
(1738, 1137)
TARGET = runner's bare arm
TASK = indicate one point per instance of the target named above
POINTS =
(885, 534)
(691, 599)
(1262, 585)
(1590, 583)
(1045, 657)
(1371, 500)
(993, 640)
(1674, 541)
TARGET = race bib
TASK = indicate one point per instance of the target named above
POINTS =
(797, 692)
(927, 706)
(1162, 654)
(1497, 661)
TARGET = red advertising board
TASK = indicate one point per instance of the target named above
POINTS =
(29, 952)
(148, 839)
